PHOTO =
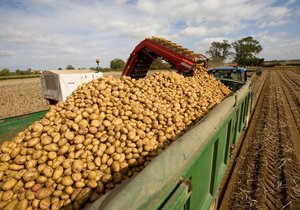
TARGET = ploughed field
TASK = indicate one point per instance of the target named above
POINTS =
(267, 172)
(20, 96)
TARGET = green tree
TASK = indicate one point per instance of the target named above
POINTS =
(219, 51)
(117, 63)
(18, 71)
(5, 72)
(29, 71)
(70, 67)
(245, 50)
(59, 68)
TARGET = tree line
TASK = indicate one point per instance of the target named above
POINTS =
(7, 72)
(242, 51)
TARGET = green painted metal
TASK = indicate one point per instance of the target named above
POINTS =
(179, 198)
(9, 127)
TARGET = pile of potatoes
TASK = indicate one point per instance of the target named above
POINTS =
(105, 132)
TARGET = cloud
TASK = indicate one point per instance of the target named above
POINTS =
(49, 34)
(23, 36)
(7, 53)
(69, 51)
(291, 2)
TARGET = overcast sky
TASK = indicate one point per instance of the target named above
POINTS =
(47, 34)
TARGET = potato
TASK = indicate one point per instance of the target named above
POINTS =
(37, 155)
(70, 115)
(7, 195)
(45, 203)
(83, 123)
(83, 196)
(29, 195)
(62, 142)
(48, 171)
(45, 140)
(63, 150)
(67, 163)
(67, 181)
(20, 160)
(52, 155)
(78, 139)
(3, 204)
(11, 205)
(43, 193)
(77, 166)
(56, 205)
(51, 147)
(57, 193)
(9, 183)
(30, 175)
(49, 182)
(5, 157)
(36, 187)
(35, 203)
(68, 172)
(56, 137)
(43, 159)
(110, 150)
(33, 142)
(65, 197)
(58, 172)
(92, 184)
(41, 180)
(22, 204)
(18, 175)
(106, 178)
(76, 176)
(29, 184)
(117, 177)
(75, 194)
(31, 164)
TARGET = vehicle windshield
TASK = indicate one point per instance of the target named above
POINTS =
(227, 74)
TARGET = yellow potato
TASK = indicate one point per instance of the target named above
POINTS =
(43, 193)
(22, 204)
(77, 166)
(9, 184)
(58, 172)
(30, 176)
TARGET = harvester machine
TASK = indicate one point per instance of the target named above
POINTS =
(182, 59)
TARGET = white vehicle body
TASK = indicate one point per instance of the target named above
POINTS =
(57, 85)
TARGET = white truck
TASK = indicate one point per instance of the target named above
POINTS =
(58, 84)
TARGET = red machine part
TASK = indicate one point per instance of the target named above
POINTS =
(148, 50)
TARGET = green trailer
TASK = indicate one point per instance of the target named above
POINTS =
(187, 174)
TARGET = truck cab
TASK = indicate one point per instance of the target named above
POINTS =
(234, 77)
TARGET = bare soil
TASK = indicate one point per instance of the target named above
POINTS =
(267, 172)
(20, 96)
